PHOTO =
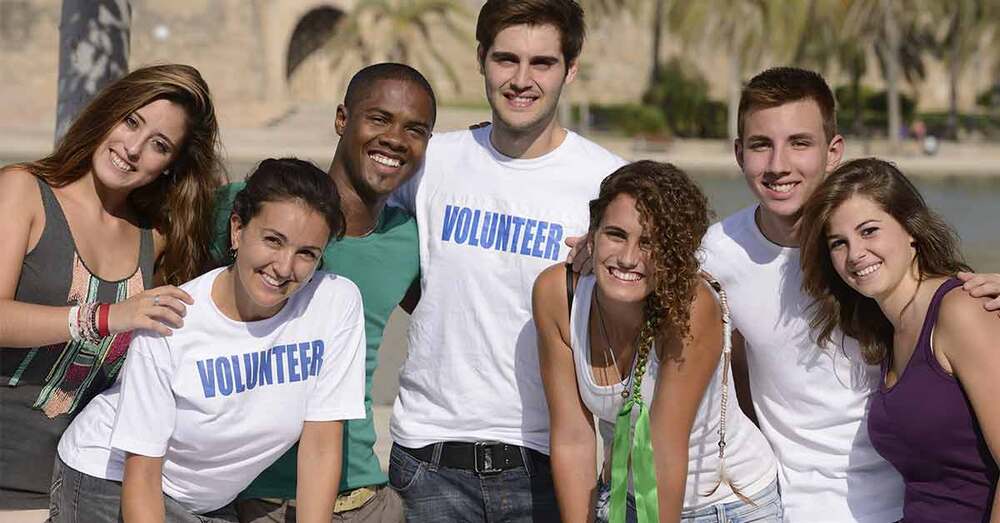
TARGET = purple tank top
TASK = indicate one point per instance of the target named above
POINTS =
(925, 426)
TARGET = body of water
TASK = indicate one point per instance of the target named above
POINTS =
(970, 206)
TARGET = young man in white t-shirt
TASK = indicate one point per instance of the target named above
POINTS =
(810, 400)
(493, 206)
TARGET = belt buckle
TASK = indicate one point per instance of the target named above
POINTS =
(353, 499)
(484, 457)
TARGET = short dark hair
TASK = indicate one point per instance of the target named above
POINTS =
(782, 85)
(565, 15)
(365, 79)
(277, 180)
(835, 303)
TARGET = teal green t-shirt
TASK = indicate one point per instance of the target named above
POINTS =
(383, 265)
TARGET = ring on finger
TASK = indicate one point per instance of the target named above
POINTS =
(156, 300)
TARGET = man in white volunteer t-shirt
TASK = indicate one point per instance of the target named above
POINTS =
(493, 206)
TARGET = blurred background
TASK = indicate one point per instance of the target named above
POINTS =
(917, 82)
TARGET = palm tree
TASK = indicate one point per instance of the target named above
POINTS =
(93, 52)
(968, 24)
(401, 31)
(746, 30)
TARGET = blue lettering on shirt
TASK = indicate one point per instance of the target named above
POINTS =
(502, 232)
(236, 373)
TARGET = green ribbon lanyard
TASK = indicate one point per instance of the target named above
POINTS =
(640, 448)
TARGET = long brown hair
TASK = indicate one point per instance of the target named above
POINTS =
(835, 303)
(674, 215)
(179, 204)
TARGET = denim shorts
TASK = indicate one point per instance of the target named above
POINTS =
(766, 508)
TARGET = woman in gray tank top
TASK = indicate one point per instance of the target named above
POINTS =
(122, 202)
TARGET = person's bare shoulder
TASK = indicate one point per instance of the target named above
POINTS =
(965, 327)
(18, 190)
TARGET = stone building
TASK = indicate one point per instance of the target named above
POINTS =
(263, 57)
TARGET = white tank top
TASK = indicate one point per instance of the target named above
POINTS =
(750, 464)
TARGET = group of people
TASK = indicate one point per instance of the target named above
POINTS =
(175, 349)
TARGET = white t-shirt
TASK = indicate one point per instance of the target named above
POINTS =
(488, 224)
(749, 461)
(221, 400)
(811, 401)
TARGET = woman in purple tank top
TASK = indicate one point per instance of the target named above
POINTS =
(880, 266)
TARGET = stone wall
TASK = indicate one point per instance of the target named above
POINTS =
(242, 47)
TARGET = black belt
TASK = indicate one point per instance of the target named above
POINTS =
(484, 457)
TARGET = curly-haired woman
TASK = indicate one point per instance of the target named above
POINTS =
(124, 201)
(646, 331)
(881, 267)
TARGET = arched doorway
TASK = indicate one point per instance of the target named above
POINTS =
(307, 69)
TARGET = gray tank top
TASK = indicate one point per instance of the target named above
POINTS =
(42, 388)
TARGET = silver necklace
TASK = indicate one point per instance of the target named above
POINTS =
(624, 380)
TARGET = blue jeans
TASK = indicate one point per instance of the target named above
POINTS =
(75, 497)
(766, 508)
(431, 492)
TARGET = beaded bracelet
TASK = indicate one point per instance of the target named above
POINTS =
(74, 323)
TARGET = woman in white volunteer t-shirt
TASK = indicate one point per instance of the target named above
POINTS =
(646, 327)
(271, 352)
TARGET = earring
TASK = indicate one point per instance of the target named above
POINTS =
(232, 253)
(166, 172)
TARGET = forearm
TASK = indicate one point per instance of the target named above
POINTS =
(24, 325)
(574, 474)
(142, 498)
(319, 463)
(671, 474)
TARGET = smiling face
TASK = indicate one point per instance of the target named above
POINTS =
(384, 136)
(140, 147)
(784, 156)
(621, 253)
(869, 249)
(525, 72)
(277, 252)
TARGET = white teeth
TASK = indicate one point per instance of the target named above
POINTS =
(385, 160)
(868, 270)
(521, 101)
(270, 281)
(120, 162)
(627, 276)
(780, 187)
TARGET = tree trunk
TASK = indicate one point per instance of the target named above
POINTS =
(892, 74)
(93, 52)
(857, 125)
(954, 70)
(657, 38)
(735, 89)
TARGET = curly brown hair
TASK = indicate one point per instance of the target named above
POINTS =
(835, 304)
(179, 206)
(674, 215)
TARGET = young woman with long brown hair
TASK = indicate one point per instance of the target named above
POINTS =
(881, 268)
(121, 205)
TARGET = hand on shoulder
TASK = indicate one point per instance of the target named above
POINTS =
(983, 285)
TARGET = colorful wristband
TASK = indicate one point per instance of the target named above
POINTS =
(102, 320)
